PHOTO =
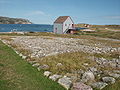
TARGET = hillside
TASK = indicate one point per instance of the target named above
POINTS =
(7, 20)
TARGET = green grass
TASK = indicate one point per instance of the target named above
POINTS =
(115, 86)
(17, 74)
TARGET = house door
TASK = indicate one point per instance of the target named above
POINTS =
(55, 30)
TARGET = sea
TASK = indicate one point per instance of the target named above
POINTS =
(26, 27)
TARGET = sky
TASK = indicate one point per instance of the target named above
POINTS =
(46, 11)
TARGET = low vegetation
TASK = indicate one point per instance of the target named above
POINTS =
(70, 62)
(17, 74)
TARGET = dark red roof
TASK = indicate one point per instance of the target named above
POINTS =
(61, 19)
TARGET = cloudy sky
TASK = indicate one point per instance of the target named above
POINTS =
(46, 11)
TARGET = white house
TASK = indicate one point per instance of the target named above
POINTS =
(63, 25)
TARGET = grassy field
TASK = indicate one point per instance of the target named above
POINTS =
(103, 33)
(99, 32)
(115, 86)
(17, 74)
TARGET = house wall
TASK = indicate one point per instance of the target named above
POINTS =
(59, 28)
(67, 24)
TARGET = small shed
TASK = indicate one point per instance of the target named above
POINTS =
(63, 25)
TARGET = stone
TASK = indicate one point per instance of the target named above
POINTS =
(115, 75)
(112, 64)
(36, 65)
(81, 86)
(59, 64)
(88, 76)
(116, 71)
(24, 57)
(108, 80)
(47, 73)
(20, 55)
(65, 82)
(85, 64)
(16, 52)
(99, 85)
(45, 66)
(32, 62)
(93, 69)
(118, 66)
(55, 77)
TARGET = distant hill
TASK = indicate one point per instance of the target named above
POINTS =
(7, 20)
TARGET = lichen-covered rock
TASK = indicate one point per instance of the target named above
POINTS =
(47, 73)
(65, 82)
(55, 77)
(108, 80)
(88, 76)
(99, 85)
(81, 86)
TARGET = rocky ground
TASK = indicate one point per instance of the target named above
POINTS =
(42, 46)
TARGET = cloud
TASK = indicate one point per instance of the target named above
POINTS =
(38, 12)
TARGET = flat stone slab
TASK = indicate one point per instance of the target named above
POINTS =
(81, 86)
(65, 82)
(99, 85)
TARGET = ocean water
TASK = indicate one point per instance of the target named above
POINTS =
(26, 27)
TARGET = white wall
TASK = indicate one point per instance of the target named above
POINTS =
(67, 24)
(59, 28)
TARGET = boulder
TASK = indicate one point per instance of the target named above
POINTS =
(65, 82)
(88, 76)
(55, 77)
(47, 73)
(108, 80)
(81, 86)
(99, 85)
